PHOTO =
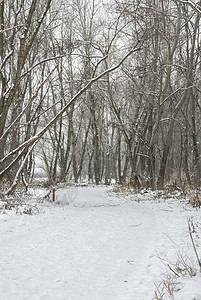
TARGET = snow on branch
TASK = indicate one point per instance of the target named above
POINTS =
(9, 191)
(28, 105)
(33, 139)
(6, 58)
(195, 6)
(41, 62)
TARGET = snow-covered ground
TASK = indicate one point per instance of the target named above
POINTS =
(100, 247)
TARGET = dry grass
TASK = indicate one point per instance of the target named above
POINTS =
(183, 267)
(167, 287)
(123, 190)
(195, 198)
(170, 283)
(159, 292)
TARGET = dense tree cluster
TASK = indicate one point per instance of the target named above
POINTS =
(100, 90)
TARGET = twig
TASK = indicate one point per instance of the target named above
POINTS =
(169, 238)
(135, 225)
(171, 269)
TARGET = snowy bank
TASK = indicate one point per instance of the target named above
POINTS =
(100, 246)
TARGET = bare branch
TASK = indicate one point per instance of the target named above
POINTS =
(41, 62)
(32, 140)
(195, 6)
(27, 106)
(9, 191)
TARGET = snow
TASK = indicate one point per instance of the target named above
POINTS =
(98, 247)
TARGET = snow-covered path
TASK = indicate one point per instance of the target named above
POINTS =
(98, 248)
